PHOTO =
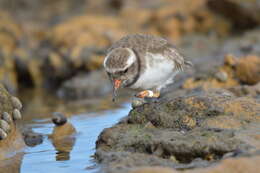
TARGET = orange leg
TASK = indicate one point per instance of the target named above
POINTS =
(148, 93)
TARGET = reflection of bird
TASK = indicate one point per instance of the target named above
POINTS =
(143, 61)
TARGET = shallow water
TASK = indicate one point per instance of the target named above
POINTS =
(43, 157)
(96, 114)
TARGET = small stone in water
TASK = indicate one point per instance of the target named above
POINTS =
(7, 117)
(3, 135)
(16, 103)
(4, 126)
(16, 114)
(58, 119)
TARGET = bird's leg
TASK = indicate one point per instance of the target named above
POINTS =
(148, 94)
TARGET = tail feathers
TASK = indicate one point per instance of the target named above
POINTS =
(188, 63)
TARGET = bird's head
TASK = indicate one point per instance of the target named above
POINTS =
(120, 65)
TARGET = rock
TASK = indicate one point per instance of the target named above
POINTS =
(247, 69)
(3, 134)
(137, 102)
(10, 33)
(86, 86)
(5, 126)
(234, 71)
(31, 138)
(12, 141)
(246, 90)
(5, 100)
(197, 130)
(7, 117)
(232, 165)
(58, 119)
(246, 44)
(243, 14)
(222, 76)
(16, 103)
(17, 114)
(153, 170)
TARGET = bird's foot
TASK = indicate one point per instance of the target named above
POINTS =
(136, 102)
(148, 94)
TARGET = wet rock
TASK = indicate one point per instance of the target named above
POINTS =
(11, 140)
(197, 130)
(234, 72)
(59, 119)
(3, 134)
(7, 117)
(17, 114)
(243, 14)
(138, 102)
(16, 103)
(5, 126)
(246, 90)
(32, 138)
(86, 86)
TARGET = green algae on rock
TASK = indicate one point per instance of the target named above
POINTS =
(196, 130)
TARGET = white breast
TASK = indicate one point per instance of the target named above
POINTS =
(158, 70)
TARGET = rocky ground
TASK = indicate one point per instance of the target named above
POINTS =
(204, 123)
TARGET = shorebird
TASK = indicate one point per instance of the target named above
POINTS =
(144, 62)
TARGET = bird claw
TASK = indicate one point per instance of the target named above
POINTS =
(143, 94)
(148, 94)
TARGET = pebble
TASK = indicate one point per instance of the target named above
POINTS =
(16, 114)
(32, 139)
(59, 119)
(4, 126)
(3, 135)
(16, 103)
(221, 76)
(7, 117)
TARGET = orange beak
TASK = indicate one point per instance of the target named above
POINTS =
(116, 86)
(117, 83)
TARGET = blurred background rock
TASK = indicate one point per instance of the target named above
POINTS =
(46, 43)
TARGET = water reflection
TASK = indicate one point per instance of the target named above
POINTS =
(69, 148)
(63, 139)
